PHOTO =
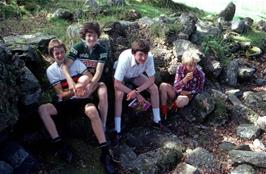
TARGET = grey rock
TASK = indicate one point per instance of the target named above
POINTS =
(246, 72)
(73, 33)
(257, 159)
(244, 147)
(248, 131)
(188, 21)
(184, 168)
(239, 26)
(248, 21)
(228, 13)
(31, 89)
(256, 101)
(232, 72)
(202, 105)
(219, 95)
(260, 82)
(181, 45)
(92, 4)
(140, 137)
(235, 92)
(145, 21)
(5, 168)
(204, 29)
(258, 146)
(23, 42)
(10, 89)
(227, 146)
(211, 66)
(243, 168)
(127, 155)
(234, 100)
(63, 14)
(261, 122)
(132, 15)
(243, 114)
(201, 158)
(261, 25)
(155, 161)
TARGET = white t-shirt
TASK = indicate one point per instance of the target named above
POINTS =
(55, 73)
(128, 68)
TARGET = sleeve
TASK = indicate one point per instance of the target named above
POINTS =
(150, 70)
(102, 55)
(52, 76)
(121, 68)
(178, 84)
(73, 53)
(200, 82)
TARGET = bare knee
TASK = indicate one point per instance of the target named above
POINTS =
(47, 108)
(182, 101)
(163, 87)
(91, 112)
(154, 89)
(119, 95)
(102, 90)
(83, 79)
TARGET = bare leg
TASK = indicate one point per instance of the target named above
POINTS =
(103, 102)
(119, 95)
(96, 122)
(46, 111)
(181, 101)
(167, 93)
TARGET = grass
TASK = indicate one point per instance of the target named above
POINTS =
(255, 37)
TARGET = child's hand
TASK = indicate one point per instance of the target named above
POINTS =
(131, 95)
(79, 90)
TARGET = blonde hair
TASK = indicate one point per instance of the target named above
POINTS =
(55, 43)
(190, 56)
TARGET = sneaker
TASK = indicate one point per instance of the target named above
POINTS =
(116, 154)
(65, 153)
(107, 162)
(161, 127)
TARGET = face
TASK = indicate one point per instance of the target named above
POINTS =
(140, 57)
(91, 39)
(59, 54)
(190, 67)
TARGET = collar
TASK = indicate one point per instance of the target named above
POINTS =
(133, 61)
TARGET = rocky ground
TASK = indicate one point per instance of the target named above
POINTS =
(221, 131)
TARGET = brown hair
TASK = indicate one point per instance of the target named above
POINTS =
(90, 27)
(140, 45)
(55, 43)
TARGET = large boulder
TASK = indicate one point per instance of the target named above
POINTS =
(232, 73)
(63, 14)
(257, 159)
(261, 25)
(243, 168)
(202, 159)
(9, 73)
(256, 101)
(248, 131)
(228, 13)
(156, 161)
(203, 104)
(181, 45)
(188, 22)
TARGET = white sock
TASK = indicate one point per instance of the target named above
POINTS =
(156, 115)
(117, 124)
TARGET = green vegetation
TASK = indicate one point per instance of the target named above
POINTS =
(162, 31)
(255, 37)
(217, 47)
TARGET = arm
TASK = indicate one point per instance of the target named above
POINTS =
(147, 84)
(69, 79)
(200, 82)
